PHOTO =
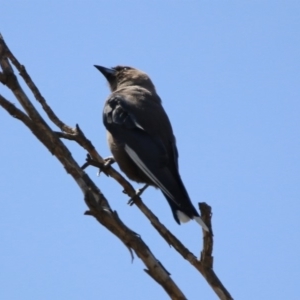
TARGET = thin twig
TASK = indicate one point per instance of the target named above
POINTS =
(38, 96)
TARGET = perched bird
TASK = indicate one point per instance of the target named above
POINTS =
(141, 138)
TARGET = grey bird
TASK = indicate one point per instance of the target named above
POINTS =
(141, 138)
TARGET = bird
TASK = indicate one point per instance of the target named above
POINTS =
(141, 139)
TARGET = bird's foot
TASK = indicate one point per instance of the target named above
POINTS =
(108, 161)
(137, 194)
(102, 166)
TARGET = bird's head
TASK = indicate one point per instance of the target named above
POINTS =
(122, 76)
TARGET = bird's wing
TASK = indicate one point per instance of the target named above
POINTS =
(150, 149)
(116, 112)
(146, 112)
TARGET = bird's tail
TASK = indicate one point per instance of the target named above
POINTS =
(199, 220)
(182, 217)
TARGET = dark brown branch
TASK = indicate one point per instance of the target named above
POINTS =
(206, 254)
(97, 203)
(2, 78)
(15, 112)
(206, 260)
(204, 266)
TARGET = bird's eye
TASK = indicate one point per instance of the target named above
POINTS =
(125, 69)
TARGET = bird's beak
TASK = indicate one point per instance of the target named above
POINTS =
(109, 74)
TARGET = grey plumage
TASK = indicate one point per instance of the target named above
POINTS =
(141, 138)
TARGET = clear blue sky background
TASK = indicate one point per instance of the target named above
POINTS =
(228, 73)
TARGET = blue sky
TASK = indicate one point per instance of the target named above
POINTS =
(228, 73)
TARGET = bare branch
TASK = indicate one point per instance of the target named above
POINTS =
(204, 266)
(15, 112)
(95, 200)
(97, 203)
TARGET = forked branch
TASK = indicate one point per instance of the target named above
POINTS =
(98, 205)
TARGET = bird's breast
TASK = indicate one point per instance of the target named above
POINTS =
(125, 163)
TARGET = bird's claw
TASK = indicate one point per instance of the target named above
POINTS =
(102, 166)
(138, 192)
(108, 161)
